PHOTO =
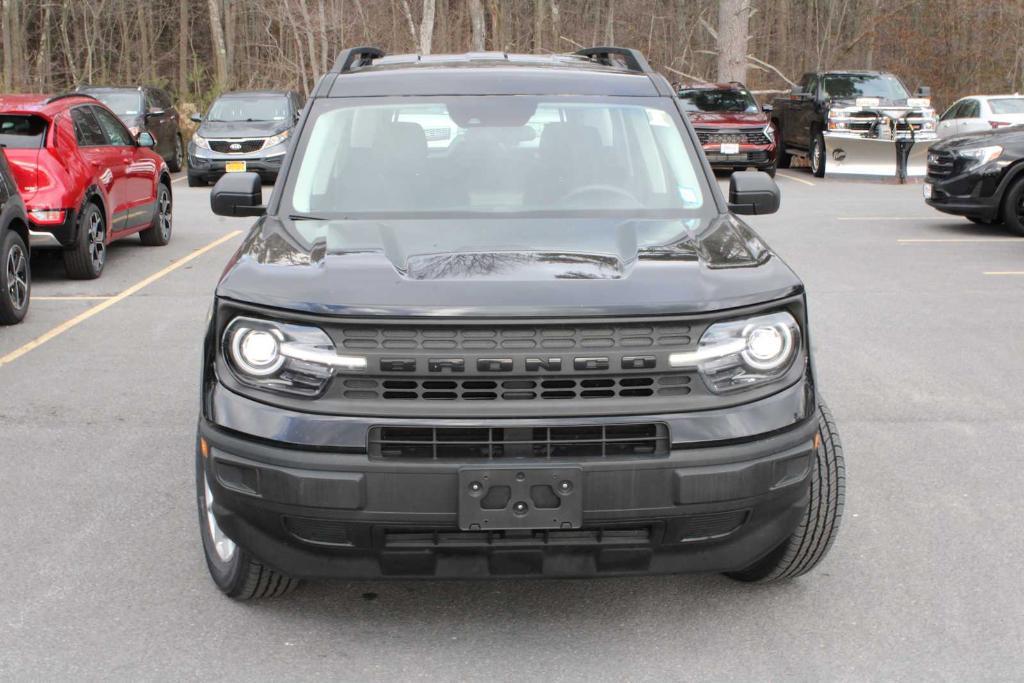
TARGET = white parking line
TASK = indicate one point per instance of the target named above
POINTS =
(960, 240)
(1005, 272)
(891, 218)
(107, 303)
(174, 180)
(793, 177)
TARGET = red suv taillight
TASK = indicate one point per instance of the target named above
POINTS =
(47, 216)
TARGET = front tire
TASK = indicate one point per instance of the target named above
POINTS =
(235, 572)
(85, 259)
(1013, 208)
(15, 278)
(802, 551)
(175, 163)
(158, 234)
(817, 155)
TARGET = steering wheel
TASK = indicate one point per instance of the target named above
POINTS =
(604, 190)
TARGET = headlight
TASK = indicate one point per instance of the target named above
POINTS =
(838, 122)
(276, 139)
(295, 359)
(736, 354)
(979, 155)
(201, 142)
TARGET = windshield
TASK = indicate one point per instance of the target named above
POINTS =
(124, 104)
(249, 109)
(851, 86)
(495, 156)
(1007, 105)
(704, 99)
(21, 132)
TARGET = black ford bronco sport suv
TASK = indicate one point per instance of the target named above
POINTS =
(496, 319)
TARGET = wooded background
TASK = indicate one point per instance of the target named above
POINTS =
(198, 48)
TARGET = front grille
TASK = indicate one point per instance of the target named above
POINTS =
(488, 443)
(741, 136)
(751, 157)
(517, 389)
(562, 337)
(244, 146)
(940, 164)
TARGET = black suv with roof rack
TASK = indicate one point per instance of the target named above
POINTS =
(539, 345)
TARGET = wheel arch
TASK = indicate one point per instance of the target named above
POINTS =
(19, 226)
(1012, 175)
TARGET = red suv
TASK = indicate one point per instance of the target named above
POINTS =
(736, 134)
(85, 180)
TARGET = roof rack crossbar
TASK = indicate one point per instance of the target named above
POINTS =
(355, 56)
(65, 95)
(633, 59)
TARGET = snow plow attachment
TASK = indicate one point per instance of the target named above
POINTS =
(856, 155)
(889, 142)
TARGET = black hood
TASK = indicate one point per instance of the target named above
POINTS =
(1013, 135)
(551, 267)
(242, 129)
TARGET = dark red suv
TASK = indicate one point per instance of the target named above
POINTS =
(86, 181)
(735, 133)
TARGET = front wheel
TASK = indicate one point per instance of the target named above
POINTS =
(85, 259)
(802, 551)
(175, 163)
(158, 233)
(818, 155)
(236, 573)
(15, 278)
(1013, 207)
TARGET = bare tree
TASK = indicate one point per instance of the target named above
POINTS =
(220, 55)
(478, 26)
(733, 28)
(427, 27)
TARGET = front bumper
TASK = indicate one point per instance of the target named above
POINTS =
(977, 193)
(704, 507)
(209, 165)
(760, 157)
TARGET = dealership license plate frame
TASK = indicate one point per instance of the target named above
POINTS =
(476, 483)
(235, 167)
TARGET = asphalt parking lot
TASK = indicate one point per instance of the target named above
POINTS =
(917, 328)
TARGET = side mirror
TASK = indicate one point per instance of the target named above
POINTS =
(145, 139)
(923, 91)
(238, 194)
(196, 118)
(752, 193)
(767, 108)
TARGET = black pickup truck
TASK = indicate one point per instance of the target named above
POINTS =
(829, 115)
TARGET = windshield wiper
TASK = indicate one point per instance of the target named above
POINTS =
(305, 217)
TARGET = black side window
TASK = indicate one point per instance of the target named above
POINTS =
(87, 128)
(152, 102)
(114, 129)
(812, 86)
(970, 110)
(163, 99)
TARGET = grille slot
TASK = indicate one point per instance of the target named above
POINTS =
(519, 388)
(582, 441)
(245, 146)
(753, 157)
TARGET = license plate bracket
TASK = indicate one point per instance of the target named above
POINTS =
(520, 498)
(234, 167)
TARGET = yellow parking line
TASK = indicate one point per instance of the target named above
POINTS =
(1005, 272)
(104, 305)
(793, 177)
(70, 298)
(960, 240)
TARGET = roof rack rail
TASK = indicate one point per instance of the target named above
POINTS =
(355, 56)
(65, 95)
(633, 59)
